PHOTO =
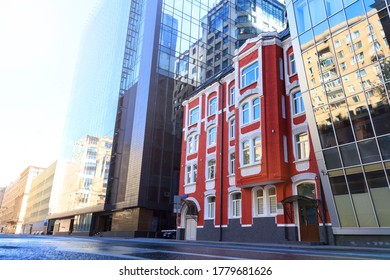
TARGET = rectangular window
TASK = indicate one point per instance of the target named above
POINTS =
(210, 207)
(232, 96)
(299, 107)
(212, 106)
(245, 153)
(257, 149)
(236, 205)
(291, 59)
(232, 163)
(302, 146)
(232, 128)
(211, 169)
(191, 173)
(194, 116)
(250, 74)
(212, 136)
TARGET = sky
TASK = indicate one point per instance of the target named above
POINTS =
(39, 43)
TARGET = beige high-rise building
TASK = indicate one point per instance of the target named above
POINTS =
(13, 207)
(35, 220)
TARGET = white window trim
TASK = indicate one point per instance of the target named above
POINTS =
(291, 73)
(208, 169)
(252, 161)
(251, 118)
(211, 144)
(296, 150)
(231, 205)
(195, 145)
(266, 202)
(232, 128)
(191, 165)
(292, 96)
(209, 113)
(190, 116)
(232, 168)
(232, 96)
(242, 76)
(206, 208)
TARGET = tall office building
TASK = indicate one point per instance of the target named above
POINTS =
(342, 58)
(82, 168)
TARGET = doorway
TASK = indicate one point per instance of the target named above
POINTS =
(308, 222)
(190, 215)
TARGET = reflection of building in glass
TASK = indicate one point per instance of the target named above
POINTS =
(37, 209)
(13, 207)
(81, 172)
(342, 53)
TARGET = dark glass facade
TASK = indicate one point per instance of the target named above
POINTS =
(343, 58)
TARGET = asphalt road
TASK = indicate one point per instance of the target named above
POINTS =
(31, 247)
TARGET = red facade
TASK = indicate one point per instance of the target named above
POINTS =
(248, 170)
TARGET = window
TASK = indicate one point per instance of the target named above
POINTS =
(232, 128)
(259, 203)
(256, 108)
(257, 149)
(191, 173)
(232, 163)
(193, 143)
(211, 169)
(250, 74)
(272, 200)
(251, 151)
(235, 205)
(232, 96)
(210, 210)
(298, 106)
(264, 201)
(194, 116)
(212, 106)
(302, 146)
(246, 159)
(245, 113)
(211, 139)
(250, 111)
(291, 59)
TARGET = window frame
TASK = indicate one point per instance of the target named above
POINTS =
(211, 169)
(248, 151)
(246, 73)
(191, 120)
(212, 106)
(232, 128)
(267, 199)
(235, 211)
(191, 173)
(212, 136)
(232, 96)
(292, 64)
(297, 102)
(209, 207)
(305, 146)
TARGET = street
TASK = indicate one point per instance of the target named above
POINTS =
(34, 247)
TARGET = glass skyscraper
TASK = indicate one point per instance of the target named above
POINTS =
(343, 61)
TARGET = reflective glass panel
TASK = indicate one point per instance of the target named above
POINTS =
(341, 121)
(302, 16)
(378, 104)
(384, 145)
(317, 11)
(332, 6)
(360, 117)
(368, 151)
(332, 158)
(349, 155)
(337, 22)
(324, 126)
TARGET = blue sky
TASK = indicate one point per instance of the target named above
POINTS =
(38, 50)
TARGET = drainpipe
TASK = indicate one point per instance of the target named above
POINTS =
(221, 164)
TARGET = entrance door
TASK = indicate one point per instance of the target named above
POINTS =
(190, 233)
(308, 222)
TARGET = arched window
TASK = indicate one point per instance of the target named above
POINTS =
(235, 209)
(212, 106)
(259, 202)
(256, 108)
(245, 113)
(272, 200)
(210, 207)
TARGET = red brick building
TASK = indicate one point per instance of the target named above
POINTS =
(248, 171)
